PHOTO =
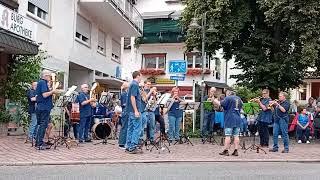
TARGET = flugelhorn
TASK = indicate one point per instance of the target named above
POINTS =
(256, 99)
(271, 103)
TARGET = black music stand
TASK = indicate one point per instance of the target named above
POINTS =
(186, 106)
(62, 103)
(252, 109)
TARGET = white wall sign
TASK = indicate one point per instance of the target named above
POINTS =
(18, 24)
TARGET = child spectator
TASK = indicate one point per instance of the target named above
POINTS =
(303, 129)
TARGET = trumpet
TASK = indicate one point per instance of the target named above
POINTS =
(271, 103)
(256, 99)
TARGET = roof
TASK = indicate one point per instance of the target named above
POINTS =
(312, 75)
(216, 84)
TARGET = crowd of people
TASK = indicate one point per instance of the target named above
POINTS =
(139, 116)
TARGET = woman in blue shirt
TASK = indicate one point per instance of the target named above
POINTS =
(175, 116)
(303, 130)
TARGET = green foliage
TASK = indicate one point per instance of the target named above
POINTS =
(246, 93)
(5, 117)
(273, 41)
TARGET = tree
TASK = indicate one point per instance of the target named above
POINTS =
(272, 41)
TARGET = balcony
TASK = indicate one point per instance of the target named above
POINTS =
(118, 16)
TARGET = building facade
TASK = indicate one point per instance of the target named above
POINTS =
(82, 38)
(162, 42)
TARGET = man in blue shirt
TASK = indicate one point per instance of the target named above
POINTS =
(31, 95)
(264, 118)
(281, 119)
(232, 106)
(85, 113)
(44, 106)
(124, 116)
(134, 112)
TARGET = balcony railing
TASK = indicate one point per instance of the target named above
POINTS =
(130, 12)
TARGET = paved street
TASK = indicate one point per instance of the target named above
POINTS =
(13, 151)
(164, 171)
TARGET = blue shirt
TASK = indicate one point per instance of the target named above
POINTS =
(175, 111)
(85, 110)
(100, 110)
(232, 106)
(303, 119)
(144, 104)
(265, 116)
(134, 91)
(43, 103)
(123, 99)
(31, 104)
(278, 114)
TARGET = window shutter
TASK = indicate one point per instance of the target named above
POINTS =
(83, 26)
(42, 4)
(101, 39)
(116, 48)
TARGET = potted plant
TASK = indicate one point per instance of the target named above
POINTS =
(5, 118)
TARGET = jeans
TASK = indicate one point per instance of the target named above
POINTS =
(303, 134)
(84, 128)
(123, 131)
(32, 126)
(144, 120)
(281, 125)
(151, 123)
(134, 131)
(43, 117)
(174, 127)
(263, 133)
(207, 126)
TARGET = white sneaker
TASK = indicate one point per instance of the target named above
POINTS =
(299, 142)
(279, 137)
(308, 142)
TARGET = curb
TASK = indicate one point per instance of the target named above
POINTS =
(49, 163)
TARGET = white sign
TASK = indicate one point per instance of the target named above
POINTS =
(18, 24)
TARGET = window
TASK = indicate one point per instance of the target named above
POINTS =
(195, 60)
(101, 42)
(217, 68)
(127, 42)
(39, 8)
(116, 50)
(83, 30)
(303, 92)
(157, 61)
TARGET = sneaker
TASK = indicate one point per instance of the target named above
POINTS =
(88, 140)
(279, 137)
(122, 147)
(134, 151)
(273, 150)
(284, 151)
(299, 142)
(235, 153)
(49, 143)
(81, 141)
(224, 153)
(308, 142)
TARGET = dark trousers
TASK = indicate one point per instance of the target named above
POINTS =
(67, 128)
(303, 134)
(43, 121)
(207, 127)
(263, 133)
(123, 131)
(160, 120)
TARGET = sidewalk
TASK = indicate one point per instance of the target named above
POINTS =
(13, 151)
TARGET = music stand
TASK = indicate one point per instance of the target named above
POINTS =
(252, 109)
(186, 106)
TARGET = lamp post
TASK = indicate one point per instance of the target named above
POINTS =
(194, 25)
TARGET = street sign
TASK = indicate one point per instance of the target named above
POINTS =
(177, 78)
(177, 67)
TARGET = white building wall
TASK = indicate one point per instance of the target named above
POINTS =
(157, 5)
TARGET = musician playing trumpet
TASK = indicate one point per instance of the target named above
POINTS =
(265, 118)
(208, 115)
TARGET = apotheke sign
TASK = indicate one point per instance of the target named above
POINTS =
(18, 24)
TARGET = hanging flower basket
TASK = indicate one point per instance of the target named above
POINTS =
(152, 71)
(197, 71)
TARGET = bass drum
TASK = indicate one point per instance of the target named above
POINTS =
(101, 130)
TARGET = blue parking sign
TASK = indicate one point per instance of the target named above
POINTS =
(177, 67)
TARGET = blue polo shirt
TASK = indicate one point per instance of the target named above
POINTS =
(303, 119)
(85, 110)
(43, 104)
(278, 114)
(232, 106)
(31, 104)
(175, 111)
(265, 116)
(134, 91)
(144, 104)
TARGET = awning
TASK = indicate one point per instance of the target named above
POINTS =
(216, 84)
(110, 82)
(14, 44)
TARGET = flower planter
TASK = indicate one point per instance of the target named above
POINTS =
(152, 71)
(197, 71)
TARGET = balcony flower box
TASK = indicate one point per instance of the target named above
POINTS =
(152, 71)
(197, 71)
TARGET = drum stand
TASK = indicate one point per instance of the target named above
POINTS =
(160, 142)
(104, 141)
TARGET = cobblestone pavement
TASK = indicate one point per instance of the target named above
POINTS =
(14, 151)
